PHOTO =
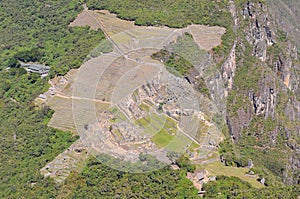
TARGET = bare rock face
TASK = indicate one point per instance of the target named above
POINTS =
(292, 110)
(229, 66)
(275, 97)
(259, 32)
(286, 14)
(284, 64)
(292, 173)
(238, 123)
(228, 70)
(273, 135)
(262, 33)
(264, 102)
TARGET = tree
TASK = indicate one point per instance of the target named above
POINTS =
(184, 163)
(13, 63)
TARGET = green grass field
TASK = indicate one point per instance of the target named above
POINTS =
(168, 135)
(180, 143)
(162, 138)
(217, 168)
(152, 123)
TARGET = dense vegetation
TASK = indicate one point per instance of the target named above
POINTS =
(232, 187)
(175, 64)
(26, 146)
(38, 31)
(170, 13)
(181, 57)
(98, 181)
(224, 187)
(34, 31)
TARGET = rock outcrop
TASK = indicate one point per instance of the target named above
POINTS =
(269, 107)
(228, 70)
(259, 32)
(264, 102)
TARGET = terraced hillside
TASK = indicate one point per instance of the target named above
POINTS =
(108, 79)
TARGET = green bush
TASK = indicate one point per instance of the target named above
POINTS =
(13, 63)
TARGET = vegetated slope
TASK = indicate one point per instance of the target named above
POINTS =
(287, 14)
(34, 31)
(26, 145)
(233, 187)
(263, 105)
(38, 31)
(99, 181)
(178, 13)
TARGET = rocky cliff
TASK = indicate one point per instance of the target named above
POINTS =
(262, 75)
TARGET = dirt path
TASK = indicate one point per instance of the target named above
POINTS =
(62, 95)
(104, 31)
